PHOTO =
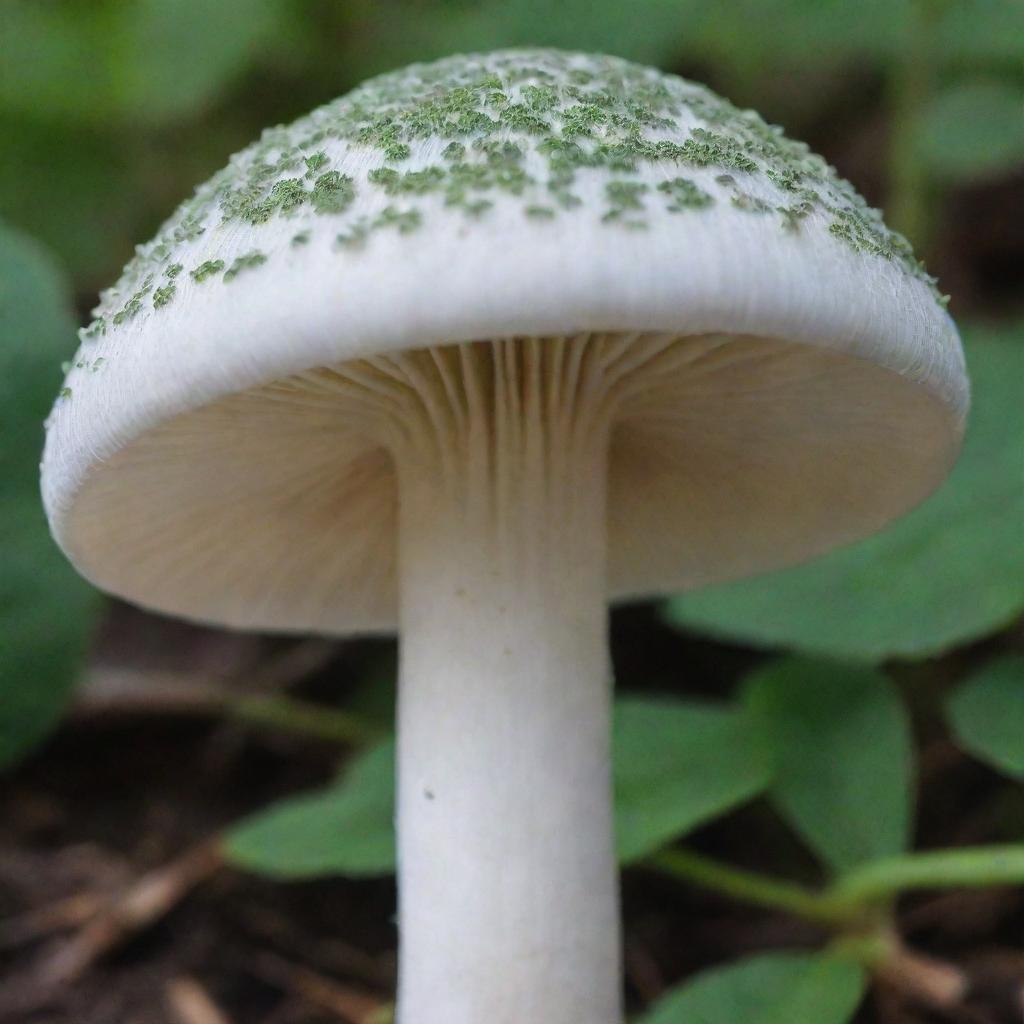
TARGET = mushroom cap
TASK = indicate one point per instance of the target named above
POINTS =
(522, 193)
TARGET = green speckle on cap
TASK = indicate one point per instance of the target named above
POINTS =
(466, 135)
(520, 118)
(333, 192)
(711, 149)
(792, 215)
(684, 194)
(163, 295)
(205, 270)
(624, 197)
(288, 195)
(246, 262)
(405, 221)
(356, 235)
(750, 204)
(95, 330)
(189, 229)
(315, 162)
(411, 182)
(540, 98)
(133, 306)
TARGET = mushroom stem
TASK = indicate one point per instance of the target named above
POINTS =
(507, 873)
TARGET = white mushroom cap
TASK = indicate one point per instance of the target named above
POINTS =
(529, 193)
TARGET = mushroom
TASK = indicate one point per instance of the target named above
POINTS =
(470, 351)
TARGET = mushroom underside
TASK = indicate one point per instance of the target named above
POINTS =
(277, 507)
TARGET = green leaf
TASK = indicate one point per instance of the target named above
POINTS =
(797, 32)
(971, 867)
(743, 35)
(345, 829)
(973, 130)
(987, 715)
(46, 611)
(148, 60)
(650, 31)
(980, 33)
(772, 988)
(949, 572)
(647, 30)
(840, 741)
(75, 193)
(676, 766)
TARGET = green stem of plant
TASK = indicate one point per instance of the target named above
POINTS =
(303, 717)
(909, 206)
(750, 887)
(963, 867)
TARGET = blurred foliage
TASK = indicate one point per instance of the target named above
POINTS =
(987, 715)
(973, 130)
(772, 988)
(950, 572)
(345, 829)
(46, 610)
(676, 767)
(111, 63)
(839, 741)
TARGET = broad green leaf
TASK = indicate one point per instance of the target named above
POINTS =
(647, 30)
(840, 741)
(796, 32)
(949, 572)
(771, 988)
(744, 35)
(650, 31)
(46, 610)
(345, 829)
(983, 33)
(973, 130)
(148, 60)
(676, 766)
(987, 715)
(970, 867)
(74, 191)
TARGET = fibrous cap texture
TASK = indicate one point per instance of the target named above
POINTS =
(519, 194)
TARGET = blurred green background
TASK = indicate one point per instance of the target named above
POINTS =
(111, 111)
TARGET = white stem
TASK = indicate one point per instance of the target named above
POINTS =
(507, 874)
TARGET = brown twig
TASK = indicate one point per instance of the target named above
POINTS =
(131, 911)
(190, 1003)
(930, 982)
(39, 922)
(353, 1005)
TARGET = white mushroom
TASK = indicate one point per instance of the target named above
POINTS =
(468, 352)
